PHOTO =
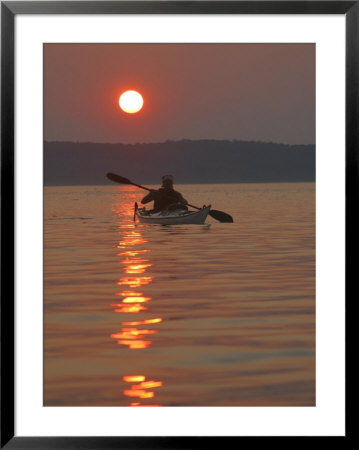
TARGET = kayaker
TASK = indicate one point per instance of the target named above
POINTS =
(165, 197)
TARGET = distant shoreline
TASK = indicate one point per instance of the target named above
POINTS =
(182, 184)
(190, 162)
(168, 141)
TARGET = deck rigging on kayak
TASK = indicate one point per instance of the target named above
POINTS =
(176, 214)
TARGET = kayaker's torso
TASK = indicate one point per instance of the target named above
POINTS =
(163, 198)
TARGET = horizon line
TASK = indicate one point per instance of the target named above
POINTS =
(179, 140)
(222, 182)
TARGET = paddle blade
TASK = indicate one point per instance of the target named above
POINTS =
(135, 212)
(221, 216)
(118, 179)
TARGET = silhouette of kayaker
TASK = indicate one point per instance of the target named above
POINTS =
(165, 197)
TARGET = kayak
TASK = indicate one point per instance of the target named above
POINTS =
(175, 217)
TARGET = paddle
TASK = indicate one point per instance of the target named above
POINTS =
(218, 215)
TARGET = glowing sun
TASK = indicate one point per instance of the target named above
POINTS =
(130, 101)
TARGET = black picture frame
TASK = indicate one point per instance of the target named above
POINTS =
(9, 10)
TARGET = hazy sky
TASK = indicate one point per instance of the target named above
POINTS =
(263, 92)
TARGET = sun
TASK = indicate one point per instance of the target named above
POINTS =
(130, 102)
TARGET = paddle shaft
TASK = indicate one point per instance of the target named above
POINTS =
(141, 187)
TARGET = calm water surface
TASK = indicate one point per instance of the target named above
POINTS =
(187, 315)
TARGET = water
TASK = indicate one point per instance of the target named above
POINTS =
(189, 315)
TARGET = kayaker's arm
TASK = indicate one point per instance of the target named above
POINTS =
(148, 198)
(181, 199)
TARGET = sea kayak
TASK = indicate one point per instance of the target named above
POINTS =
(176, 217)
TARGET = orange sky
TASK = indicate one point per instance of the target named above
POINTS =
(262, 92)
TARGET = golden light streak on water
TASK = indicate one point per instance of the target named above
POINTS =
(148, 385)
(141, 390)
(129, 294)
(137, 268)
(134, 281)
(132, 333)
(130, 308)
(136, 299)
(133, 378)
(133, 252)
(143, 322)
(135, 345)
(140, 393)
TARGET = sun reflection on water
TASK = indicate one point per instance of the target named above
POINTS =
(134, 281)
(141, 390)
(135, 334)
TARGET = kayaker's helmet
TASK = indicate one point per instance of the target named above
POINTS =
(167, 181)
